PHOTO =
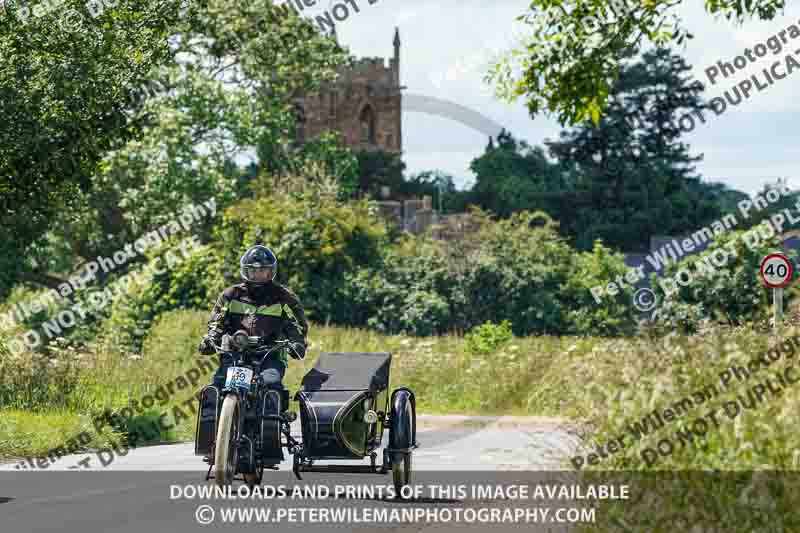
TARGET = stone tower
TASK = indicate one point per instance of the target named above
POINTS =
(364, 104)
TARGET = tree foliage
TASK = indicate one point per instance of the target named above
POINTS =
(512, 176)
(378, 169)
(517, 269)
(719, 286)
(317, 237)
(66, 101)
(219, 89)
(569, 63)
(627, 178)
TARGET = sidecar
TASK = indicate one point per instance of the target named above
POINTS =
(345, 408)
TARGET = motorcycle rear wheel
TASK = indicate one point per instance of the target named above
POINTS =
(255, 478)
(226, 453)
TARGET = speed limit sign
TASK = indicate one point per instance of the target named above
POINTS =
(776, 271)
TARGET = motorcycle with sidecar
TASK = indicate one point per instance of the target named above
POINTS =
(344, 409)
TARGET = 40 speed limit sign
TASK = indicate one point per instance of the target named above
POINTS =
(776, 271)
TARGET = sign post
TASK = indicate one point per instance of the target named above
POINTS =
(777, 303)
(776, 272)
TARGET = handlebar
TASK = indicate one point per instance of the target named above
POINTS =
(262, 352)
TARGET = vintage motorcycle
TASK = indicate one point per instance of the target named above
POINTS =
(243, 427)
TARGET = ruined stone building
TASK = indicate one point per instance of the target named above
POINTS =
(364, 104)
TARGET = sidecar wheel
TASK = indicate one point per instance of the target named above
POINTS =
(226, 453)
(402, 436)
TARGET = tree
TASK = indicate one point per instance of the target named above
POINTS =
(224, 92)
(622, 180)
(512, 176)
(330, 150)
(756, 214)
(66, 100)
(441, 187)
(727, 198)
(572, 58)
(633, 176)
(379, 168)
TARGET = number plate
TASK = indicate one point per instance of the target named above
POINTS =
(239, 376)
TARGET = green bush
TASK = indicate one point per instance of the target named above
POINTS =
(338, 257)
(518, 269)
(407, 291)
(49, 307)
(614, 315)
(488, 337)
(185, 282)
(317, 237)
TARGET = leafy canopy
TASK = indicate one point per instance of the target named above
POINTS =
(96, 159)
(66, 96)
(623, 180)
(570, 60)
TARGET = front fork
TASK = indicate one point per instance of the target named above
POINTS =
(238, 430)
(293, 446)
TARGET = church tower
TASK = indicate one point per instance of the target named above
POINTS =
(364, 104)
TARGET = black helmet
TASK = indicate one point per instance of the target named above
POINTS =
(258, 265)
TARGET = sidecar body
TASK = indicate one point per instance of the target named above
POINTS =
(345, 407)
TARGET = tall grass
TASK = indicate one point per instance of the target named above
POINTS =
(601, 383)
(81, 383)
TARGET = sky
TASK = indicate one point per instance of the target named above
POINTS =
(447, 46)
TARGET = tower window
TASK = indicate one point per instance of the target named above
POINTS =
(332, 104)
(367, 120)
(300, 124)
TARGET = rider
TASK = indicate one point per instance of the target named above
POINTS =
(262, 308)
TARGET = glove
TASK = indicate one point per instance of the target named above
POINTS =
(206, 346)
(298, 350)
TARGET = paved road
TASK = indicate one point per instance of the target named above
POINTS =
(134, 493)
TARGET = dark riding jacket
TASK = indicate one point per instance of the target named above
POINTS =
(269, 310)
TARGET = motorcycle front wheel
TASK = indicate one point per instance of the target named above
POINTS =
(226, 453)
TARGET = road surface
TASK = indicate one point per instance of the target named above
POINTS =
(145, 490)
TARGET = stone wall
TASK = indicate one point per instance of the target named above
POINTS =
(417, 216)
(392, 212)
(455, 226)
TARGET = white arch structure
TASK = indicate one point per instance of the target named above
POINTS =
(444, 108)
